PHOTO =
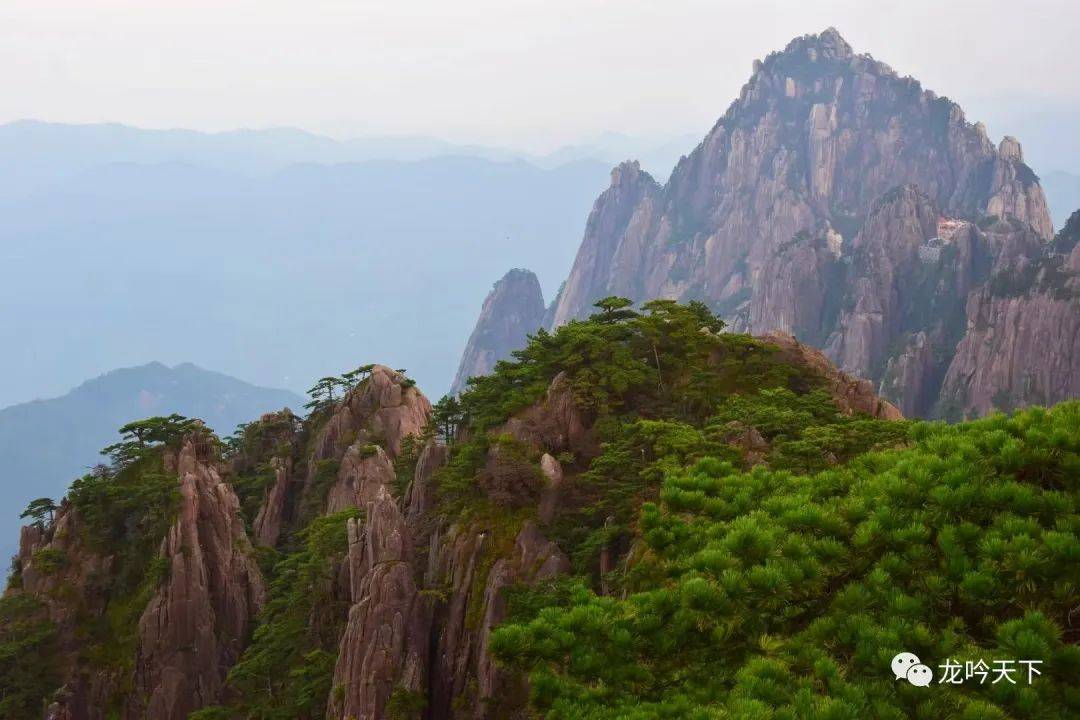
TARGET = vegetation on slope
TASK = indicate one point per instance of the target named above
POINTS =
(660, 389)
(766, 554)
(773, 594)
(121, 511)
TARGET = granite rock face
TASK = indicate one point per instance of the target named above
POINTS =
(385, 406)
(512, 310)
(420, 587)
(614, 254)
(1022, 337)
(85, 692)
(837, 201)
(278, 440)
(199, 622)
(385, 646)
(194, 626)
(851, 394)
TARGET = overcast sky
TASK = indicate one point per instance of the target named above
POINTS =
(525, 73)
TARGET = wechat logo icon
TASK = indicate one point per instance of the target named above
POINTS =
(907, 666)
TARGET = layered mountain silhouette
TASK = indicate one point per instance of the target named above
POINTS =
(46, 444)
(849, 206)
(645, 516)
(340, 257)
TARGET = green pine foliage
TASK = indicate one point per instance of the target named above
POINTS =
(766, 554)
(779, 594)
(28, 662)
(123, 509)
(662, 389)
(672, 362)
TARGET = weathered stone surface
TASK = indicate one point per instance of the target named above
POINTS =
(851, 394)
(549, 496)
(534, 559)
(385, 646)
(556, 423)
(885, 257)
(384, 406)
(616, 236)
(1011, 190)
(81, 566)
(910, 376)
(271, 517)
(787, 216)
(274, 439)
(365, 469)
(512, 310)
(421, 498)
(457, 556)
(66, 593)
(198, 623)
(380, 412)
(1021, 342)
(463, 666)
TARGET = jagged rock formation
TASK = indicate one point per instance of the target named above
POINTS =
(834, 200)
(199, 622)
(556, 423)
(385, 646)
(277, 440)
(385, 408)
(84, 693)
(1022, 337)
(399, 642)
(477, 562)
(513, 309)
(407, 607)
(194, 626)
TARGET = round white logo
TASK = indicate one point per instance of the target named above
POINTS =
(920, 675)
(902, 663)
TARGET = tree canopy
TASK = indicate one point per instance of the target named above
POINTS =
(776, 594)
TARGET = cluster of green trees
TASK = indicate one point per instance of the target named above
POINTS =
(781, 594)
(322, 393)
(124, 508)
(782, 590)
(28, 648)
(326, 391)
(771, 553)
(661, 387)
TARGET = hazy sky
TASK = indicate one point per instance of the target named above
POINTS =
(525, 73)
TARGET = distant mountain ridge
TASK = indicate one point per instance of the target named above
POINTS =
(113, 256)
(45, 444)
(35, 153)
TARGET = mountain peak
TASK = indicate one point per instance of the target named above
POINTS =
(512, 310)
(826, 45)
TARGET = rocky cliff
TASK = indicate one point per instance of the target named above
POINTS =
(1022, 335)
(200, 620)
(834, 200)
(381, 561)
(201, 592)
(512, 310)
